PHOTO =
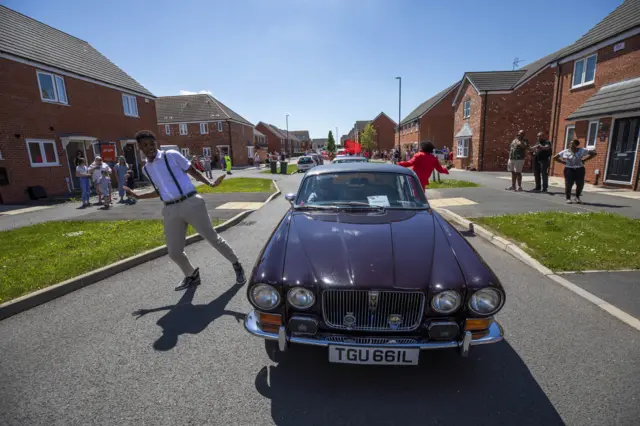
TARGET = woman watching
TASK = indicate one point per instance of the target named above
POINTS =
(573, 159)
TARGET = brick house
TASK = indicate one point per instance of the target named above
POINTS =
(304, 140)
(385, 131)
(60, 96)
(431, 121)
(278, 140)
(490, 107)
(319, 143)
(201, 125)
(259, 145)
(597, 98)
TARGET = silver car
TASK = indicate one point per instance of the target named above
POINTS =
(305, 163)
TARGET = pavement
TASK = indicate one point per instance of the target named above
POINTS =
(85, 359)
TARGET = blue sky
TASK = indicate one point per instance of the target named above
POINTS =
(327, 63)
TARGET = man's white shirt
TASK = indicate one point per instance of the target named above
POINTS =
(157, 170)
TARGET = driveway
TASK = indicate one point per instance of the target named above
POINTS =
(186, 359)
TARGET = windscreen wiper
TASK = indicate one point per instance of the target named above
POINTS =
(360, 205)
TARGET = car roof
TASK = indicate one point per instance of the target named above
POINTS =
(350, 157)
(359, 167)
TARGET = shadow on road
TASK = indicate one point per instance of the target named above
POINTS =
(491, 386)
(186, 318)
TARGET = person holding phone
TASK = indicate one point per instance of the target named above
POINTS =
(573, 159)
(169, 171)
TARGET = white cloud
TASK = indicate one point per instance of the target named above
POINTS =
(202, 92)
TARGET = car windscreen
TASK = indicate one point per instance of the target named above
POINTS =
(305, 160)
(351, 160)
(374, 189)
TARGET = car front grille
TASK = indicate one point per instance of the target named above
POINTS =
(371, 340)
(364, 310)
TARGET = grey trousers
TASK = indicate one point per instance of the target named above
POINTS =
(177, 217)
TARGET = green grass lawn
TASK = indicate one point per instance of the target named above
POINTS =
(291, 168)
(41, 255)
(451, 183)
(573, 241)
(239, 185)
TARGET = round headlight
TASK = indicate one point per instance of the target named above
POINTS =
(446, 302)
(301, 298)
(265, 296)
(485, 302)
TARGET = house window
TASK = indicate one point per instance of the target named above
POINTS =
(592, 135)
(52, 88)
(183, 128)
(584, 71)
(184, 152)
(466, 109)
(130, 105)
(42, 153)
(206, 151)
(167, 129)
(204, 128)
(250, 151)
(463, 148)
(219, 126)
(570, 134)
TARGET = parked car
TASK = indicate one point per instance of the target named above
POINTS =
(305, 163)
(361, 265)
(349, 159)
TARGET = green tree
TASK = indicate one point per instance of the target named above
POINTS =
(331, 144)
(368, 138)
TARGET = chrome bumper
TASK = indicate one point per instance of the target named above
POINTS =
(495, 334)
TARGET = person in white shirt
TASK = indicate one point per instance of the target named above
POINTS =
(168, 171)
(573, 159)
(96, 170)
(83, 175)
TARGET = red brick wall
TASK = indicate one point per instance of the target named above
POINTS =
(437, 124)
(528, 108)
(196, 142)
(385, 132)
(93, 111)
(611, 67)
(468, 93)
(274, 143)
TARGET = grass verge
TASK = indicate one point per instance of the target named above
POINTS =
(451, 183)
(239, 185)
(291, 168)
(573, 241)
(38, 256)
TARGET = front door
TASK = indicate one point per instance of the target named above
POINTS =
(72, 149)
(622, 153)
(129, 151)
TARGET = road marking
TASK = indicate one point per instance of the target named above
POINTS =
(446, 202)
(25, 210)
(240, 206)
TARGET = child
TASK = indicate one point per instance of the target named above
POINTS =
(105, 188)
(131, 184)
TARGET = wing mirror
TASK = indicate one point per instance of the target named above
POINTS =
(290, 197)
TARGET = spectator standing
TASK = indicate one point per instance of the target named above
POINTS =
(121, 169)
(79, 156)
(573, 159)
(207, 167)
(105, 187)
(515, 165)
(227, 162)
(96, 169)
(82, 173)
(541, 159)
(424, 163)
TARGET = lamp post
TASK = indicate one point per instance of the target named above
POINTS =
(399, 107)
(288, 140)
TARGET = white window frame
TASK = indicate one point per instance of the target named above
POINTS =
(250, 152)
(41, 143)
(130, 105)
(566, 134)
(185, 152)
(204, 128)
(220, 126)
(466, 109)
(185, 127)
(55, 79)
(584, 71)
(206, 151)
(464, 153)
(167, 129)
(595, 137)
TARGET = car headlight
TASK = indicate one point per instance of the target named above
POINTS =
(265, 296)
(486, 301)
(446, 302)
(301, 298)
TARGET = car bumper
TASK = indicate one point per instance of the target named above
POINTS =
(493, 335)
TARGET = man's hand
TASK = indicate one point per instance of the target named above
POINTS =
(217, 181)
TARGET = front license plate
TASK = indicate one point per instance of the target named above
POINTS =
(376, 356)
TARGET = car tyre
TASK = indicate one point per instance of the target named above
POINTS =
(273, 351)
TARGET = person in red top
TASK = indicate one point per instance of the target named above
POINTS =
(424, 163)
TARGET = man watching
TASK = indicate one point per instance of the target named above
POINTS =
(541, 160)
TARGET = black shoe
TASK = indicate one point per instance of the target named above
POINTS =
(192, 280)
(240, 278)
(545, 190)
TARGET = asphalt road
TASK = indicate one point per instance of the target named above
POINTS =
(85, 359)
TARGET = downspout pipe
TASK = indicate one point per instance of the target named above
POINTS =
(230, 142)
(554, 118)
(484, 126)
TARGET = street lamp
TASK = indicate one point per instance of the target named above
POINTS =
(288, 140)
(399, 107)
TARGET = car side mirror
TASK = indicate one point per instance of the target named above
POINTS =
(290, 197)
